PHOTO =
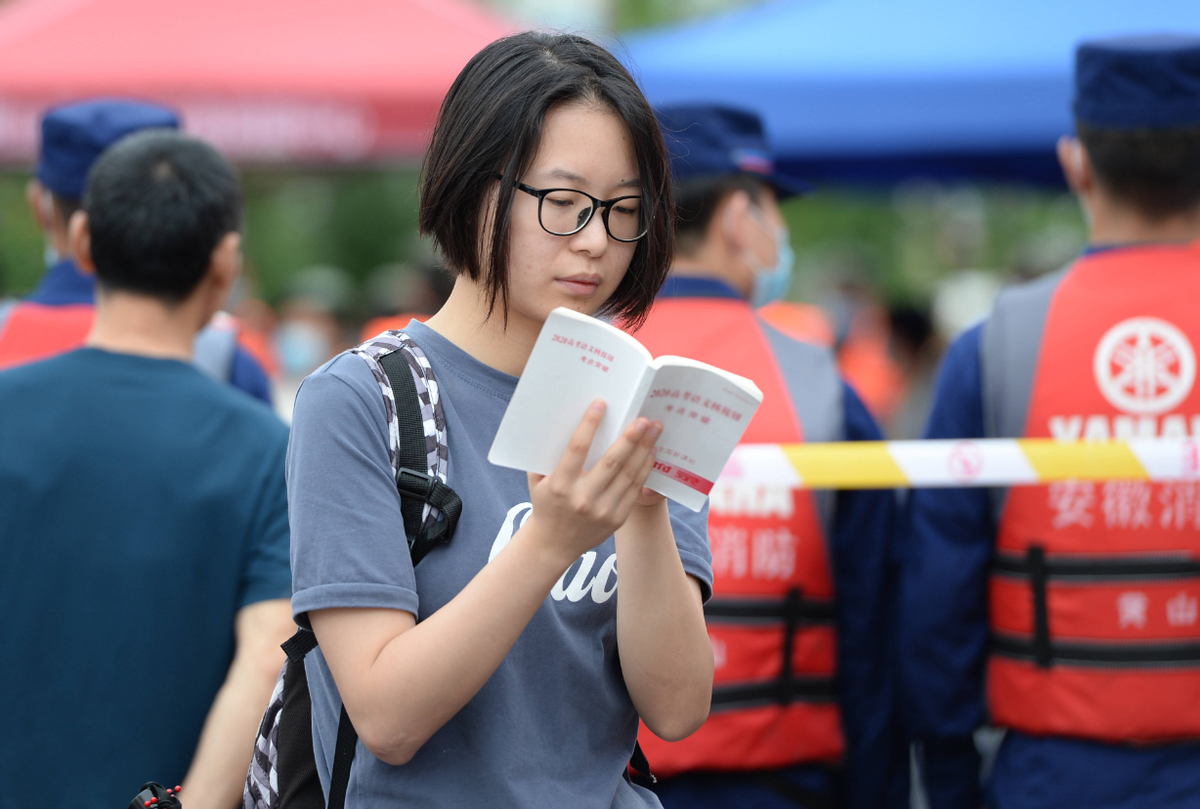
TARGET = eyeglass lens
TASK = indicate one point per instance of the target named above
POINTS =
(565, 212)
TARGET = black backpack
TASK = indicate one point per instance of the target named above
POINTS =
(283, 772)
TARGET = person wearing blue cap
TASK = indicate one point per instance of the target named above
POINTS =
(58, 315)
(802, 706)
(1066, 614)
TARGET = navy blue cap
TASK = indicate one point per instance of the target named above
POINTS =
(708, 141)
(1148, 82)
(74, 135)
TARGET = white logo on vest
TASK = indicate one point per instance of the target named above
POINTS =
(1144, 365)
(1182, 610)
(1131, 610)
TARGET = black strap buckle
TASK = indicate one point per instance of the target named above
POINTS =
(1035, 559)
(299, 645)
(640, 768)
(416, 484)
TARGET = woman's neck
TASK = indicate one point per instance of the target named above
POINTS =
(464, 321)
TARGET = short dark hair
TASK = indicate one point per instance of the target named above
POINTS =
(490, 125)
(696, 202)
(1157, 171)
(158, 203)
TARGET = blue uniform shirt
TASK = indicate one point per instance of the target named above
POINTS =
(64, 285)
(947, 544)
(863, 574)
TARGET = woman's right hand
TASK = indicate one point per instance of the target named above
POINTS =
(573, 510)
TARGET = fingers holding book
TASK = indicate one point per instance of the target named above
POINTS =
(582, 508)
(623, 470)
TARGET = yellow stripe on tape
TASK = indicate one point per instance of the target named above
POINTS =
(871, 464)
(854, 464)
(1085, 460)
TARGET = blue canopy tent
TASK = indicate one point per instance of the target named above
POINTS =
(881, 90)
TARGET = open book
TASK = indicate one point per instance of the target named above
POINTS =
(577, 359)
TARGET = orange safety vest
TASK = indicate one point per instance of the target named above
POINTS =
(35, 331)
(864, 357)
(800, 321)
(771, 617)
(1095, 586)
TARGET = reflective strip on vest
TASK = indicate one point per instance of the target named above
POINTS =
(1094, 593)
(771, 618)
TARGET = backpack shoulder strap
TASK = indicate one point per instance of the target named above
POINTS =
(420, 457)
(417, 431)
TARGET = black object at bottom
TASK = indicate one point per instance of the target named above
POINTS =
(641, 768)
(776, 781)
(780, 785)
(162, 797)
(298, 783)
(343, 757)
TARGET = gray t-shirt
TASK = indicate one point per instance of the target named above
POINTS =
(554, 725)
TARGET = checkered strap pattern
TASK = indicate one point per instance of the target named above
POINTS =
(262, 782)
(433, 416)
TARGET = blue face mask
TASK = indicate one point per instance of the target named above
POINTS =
(773, 283)
(301, 348)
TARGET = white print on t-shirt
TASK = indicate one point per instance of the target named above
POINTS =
(600, 586)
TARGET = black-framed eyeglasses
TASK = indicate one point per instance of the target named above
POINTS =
(566, 211)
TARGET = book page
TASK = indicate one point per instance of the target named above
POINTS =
(704, 412)
(575, 360)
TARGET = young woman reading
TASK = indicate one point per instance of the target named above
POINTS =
(507, 670)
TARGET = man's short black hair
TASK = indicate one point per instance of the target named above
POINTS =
(1156, 171)
(158, 203)
(696, 202)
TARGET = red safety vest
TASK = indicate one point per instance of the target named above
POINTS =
(34, 331)
(771, 617)
(378, 325)
(1095, 586)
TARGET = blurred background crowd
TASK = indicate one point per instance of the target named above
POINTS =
(928, 131)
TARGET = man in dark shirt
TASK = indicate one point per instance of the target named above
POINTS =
(144, 576)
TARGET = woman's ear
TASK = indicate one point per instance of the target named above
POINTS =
(79, 237)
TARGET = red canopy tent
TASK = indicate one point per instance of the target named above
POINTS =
(265, 80)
